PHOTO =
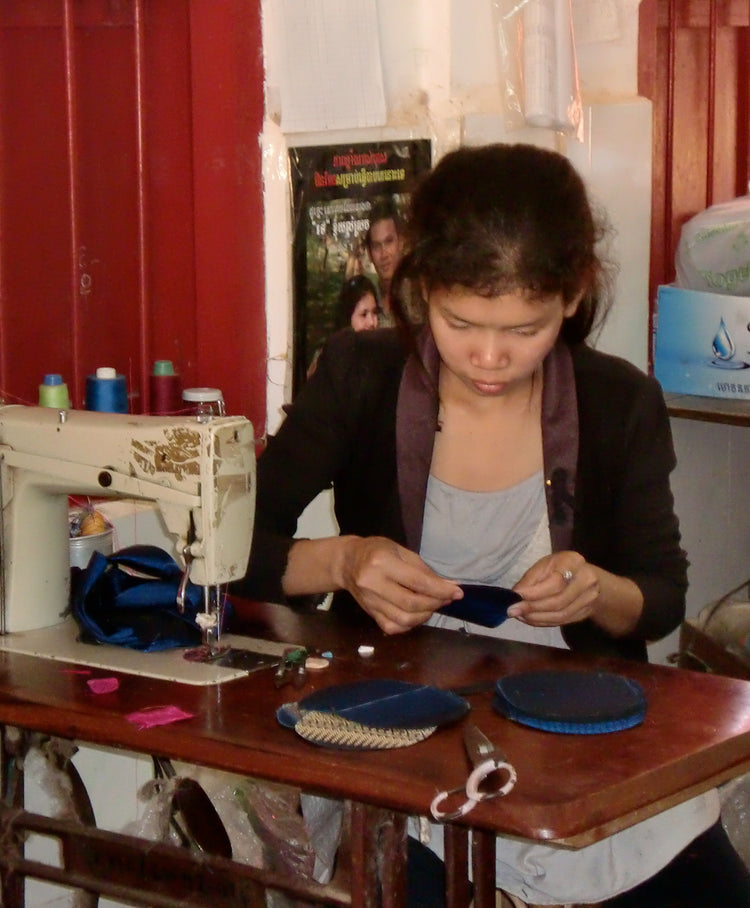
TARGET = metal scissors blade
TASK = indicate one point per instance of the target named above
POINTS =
(488, 763)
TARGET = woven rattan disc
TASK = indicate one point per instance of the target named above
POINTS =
(331, 730)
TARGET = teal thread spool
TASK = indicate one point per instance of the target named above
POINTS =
(53, 392)
(106, 391)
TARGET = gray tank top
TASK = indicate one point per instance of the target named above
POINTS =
(491, 538)
(481, 537)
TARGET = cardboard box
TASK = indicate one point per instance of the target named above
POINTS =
(702, 343)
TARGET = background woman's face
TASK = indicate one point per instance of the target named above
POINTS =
(365, 315)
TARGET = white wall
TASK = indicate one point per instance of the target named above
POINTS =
(442, 78)
(712, 488)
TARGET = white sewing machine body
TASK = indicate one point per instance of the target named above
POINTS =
(201, 476)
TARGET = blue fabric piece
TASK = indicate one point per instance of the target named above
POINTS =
(481, 604)
(112, 606)
(383, 703)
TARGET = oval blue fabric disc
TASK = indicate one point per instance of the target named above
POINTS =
(383, 703)
(571, 702)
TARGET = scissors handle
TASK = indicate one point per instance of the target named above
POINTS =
(446, 816)
(474, 791)
(486, 760)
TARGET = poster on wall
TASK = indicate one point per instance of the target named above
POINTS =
(349, 203)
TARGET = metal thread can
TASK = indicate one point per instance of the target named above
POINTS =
(83, 547)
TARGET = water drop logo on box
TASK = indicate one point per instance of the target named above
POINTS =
(702, 343)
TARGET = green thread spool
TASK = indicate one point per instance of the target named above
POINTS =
(53, 392)
(163, 367)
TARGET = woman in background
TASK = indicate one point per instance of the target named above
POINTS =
(357, 308)
(357, 304)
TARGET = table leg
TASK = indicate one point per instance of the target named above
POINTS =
(483, 868)
(378, 857)
(11, 795)
(457, 884)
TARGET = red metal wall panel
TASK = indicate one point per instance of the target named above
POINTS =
(693, 65)
(230, 285)
(34, 222)
(130, 195)
(169, 232)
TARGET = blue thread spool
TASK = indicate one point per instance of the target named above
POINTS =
(53, 392)
(106, 391)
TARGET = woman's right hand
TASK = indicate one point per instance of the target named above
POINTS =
(392, 584)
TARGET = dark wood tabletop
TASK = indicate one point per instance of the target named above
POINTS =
(571, 788)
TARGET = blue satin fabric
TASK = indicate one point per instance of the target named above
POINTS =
(116, 607)
(485, 605)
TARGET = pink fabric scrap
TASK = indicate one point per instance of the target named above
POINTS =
(157, 715)
(103, 685)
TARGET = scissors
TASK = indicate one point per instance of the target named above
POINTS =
(492, 776)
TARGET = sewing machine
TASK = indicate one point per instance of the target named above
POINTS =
(199, 474)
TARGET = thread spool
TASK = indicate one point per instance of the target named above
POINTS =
(53, 392)
(204, 403)
(166, 389)
(106, 391)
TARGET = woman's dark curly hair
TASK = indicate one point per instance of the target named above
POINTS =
(499, 219)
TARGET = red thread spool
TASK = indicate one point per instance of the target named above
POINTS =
(166, 389)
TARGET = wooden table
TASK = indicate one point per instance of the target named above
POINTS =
(571, 789)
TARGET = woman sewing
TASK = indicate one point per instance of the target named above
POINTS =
(487, 442)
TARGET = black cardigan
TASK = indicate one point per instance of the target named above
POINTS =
(365, 423)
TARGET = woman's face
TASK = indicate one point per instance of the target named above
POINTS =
(490, 346)
(365, 315)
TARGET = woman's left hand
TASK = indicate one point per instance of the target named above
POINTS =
(561, 588)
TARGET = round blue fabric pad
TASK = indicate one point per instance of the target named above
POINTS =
(571, 702)
(383, 703)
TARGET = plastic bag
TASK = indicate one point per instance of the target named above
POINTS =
(727, 621)
(269, 825)
(539, 65)
(275, 817)
(714, 249)
(735, 814)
